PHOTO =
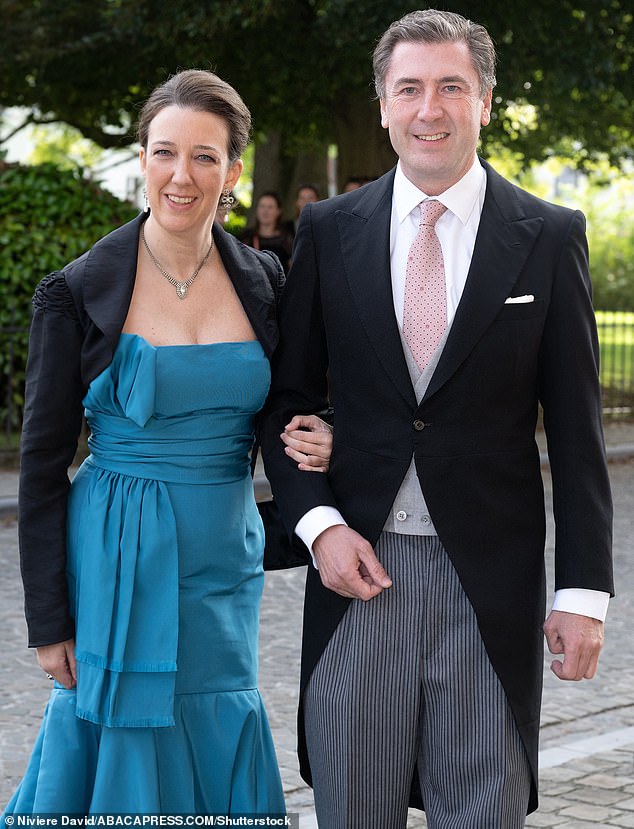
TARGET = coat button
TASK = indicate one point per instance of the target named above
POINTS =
(401, 515)
(419, 425)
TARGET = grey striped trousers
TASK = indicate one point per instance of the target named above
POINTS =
(406, 682)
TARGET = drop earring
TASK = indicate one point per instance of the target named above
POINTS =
(226, 201)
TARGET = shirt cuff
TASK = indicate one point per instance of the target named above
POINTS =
(593, 603)
(315, 522)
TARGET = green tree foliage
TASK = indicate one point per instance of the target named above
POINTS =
(48, 217)
(303, 66)
(63, 146)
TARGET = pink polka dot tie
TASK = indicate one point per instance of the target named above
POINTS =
(425, 312)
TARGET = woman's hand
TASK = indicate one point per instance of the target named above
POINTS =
(58, 661)
(308, 441)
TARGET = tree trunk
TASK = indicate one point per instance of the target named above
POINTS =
(306, 168)
(266, 168)
(364, 148)
(274, 169)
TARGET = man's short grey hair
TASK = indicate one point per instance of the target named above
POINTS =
(433, 26)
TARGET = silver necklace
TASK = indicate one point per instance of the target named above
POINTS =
(181, 286)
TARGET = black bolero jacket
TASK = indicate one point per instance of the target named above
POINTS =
(78, 314)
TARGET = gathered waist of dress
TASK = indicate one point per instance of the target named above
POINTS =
(190, 461)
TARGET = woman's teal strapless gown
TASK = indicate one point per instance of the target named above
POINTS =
(165, 572)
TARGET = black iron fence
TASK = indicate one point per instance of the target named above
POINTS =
(616, 335)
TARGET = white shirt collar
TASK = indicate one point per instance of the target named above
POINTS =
(460, 198)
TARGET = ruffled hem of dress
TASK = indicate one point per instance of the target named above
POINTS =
(217, 758)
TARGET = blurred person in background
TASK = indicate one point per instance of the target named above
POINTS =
(270, 232)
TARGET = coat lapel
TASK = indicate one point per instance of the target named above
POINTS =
(109, 276)
(254, 285)
(364, 234)
(504, 241)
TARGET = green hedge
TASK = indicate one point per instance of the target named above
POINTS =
(48, 217)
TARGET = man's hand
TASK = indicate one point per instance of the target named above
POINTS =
(58, 661)
(347, 564)
(308, 441)
(579, 638)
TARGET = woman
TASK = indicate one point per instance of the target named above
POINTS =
(270, 232)
(143, 580)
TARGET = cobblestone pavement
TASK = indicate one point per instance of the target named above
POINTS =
(587, 742)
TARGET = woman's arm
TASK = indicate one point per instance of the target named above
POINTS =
(50, 431)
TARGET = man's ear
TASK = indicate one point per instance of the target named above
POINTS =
(487, 102)
(385, 121)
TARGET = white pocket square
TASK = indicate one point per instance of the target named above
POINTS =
(516, 300)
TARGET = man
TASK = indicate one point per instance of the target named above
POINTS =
(423, 645)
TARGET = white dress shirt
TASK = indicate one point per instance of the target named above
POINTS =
(456, 229)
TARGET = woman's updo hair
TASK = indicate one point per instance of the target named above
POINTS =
(202, 91)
